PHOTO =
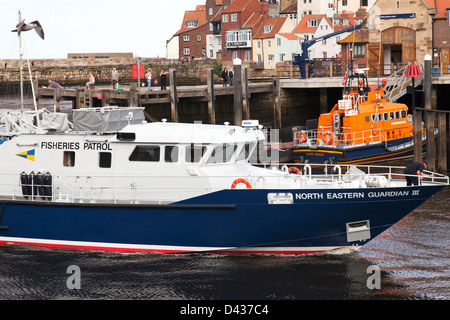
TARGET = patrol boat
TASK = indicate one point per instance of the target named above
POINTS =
(363, 127)
(110, 181)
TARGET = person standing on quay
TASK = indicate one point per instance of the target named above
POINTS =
(225, 77)
(114, 78)
(148, 76)
(163, 79)
(231, 76)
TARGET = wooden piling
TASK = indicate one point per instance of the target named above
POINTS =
(173, 95)
(417, 116)
(237, 95)
(211, 97)
(276, 102)
(246, 95)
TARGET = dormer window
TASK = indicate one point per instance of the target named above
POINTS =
(312, 23)
(268, 28)
(191, 24)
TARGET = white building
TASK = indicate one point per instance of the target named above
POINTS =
(330, 7)
(173, 48)
(288, 45)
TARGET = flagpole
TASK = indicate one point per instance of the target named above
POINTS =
(21, 64)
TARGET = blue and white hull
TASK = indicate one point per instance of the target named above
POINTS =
(173, 188)
(231, 221)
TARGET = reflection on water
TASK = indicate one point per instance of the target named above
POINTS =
(412, 255)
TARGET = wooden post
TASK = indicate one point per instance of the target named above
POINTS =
(173, 95)
(442, 143)
(211, 97)
(237, 92)
(246, 99)
(57, 99)
(431, 141)
(417, 116)
(276, 102)
(427, 82)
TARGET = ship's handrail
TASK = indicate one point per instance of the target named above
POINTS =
(356, 138)
(169, 189)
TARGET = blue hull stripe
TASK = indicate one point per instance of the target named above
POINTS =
(238, 219)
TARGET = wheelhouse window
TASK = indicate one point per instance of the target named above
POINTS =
(245, 152)
(104, 160)
(69, 159)
(145, 153)
(171, 154)
(222, 154)
(404, 114)
(194, 153)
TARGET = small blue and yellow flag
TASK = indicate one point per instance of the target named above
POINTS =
(29, 155)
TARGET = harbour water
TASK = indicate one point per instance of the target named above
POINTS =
(412, 258)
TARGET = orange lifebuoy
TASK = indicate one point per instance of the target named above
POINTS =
(327, 137)
(302, 137)
(294, 169)
(241, 180)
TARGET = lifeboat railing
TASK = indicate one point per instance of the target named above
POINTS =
(342, 139)
(170, 189)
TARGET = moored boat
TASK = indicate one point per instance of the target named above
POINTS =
(112, 182)
(363, 127)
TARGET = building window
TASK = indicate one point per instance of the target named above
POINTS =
(271, 57)
(187, 51)
(344, 2)
(269, 43)
(225, 18)
(186, 38)
(211, 11)
(258, 44)
(268, 28)
(199, 38)
(235, 55)
(360, 50)
(279, 42)
(247, 55)
(211, 27)
(312, 23)
(364, 3)
(234, 17)
(281, 57)
(192, 24)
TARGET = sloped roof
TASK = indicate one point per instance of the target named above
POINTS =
(198, 15)
(441, 8)
(303, 24)
(277, 23)
(290, 36)
(290, 9)
(254, 22)
(358, 36)
(237, 6)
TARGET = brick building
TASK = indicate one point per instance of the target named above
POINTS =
(190, 40)
(441, 35)
(240, 21)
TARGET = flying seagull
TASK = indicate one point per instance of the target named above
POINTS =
(22, 26)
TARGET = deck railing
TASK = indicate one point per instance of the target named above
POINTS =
(171, 189)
